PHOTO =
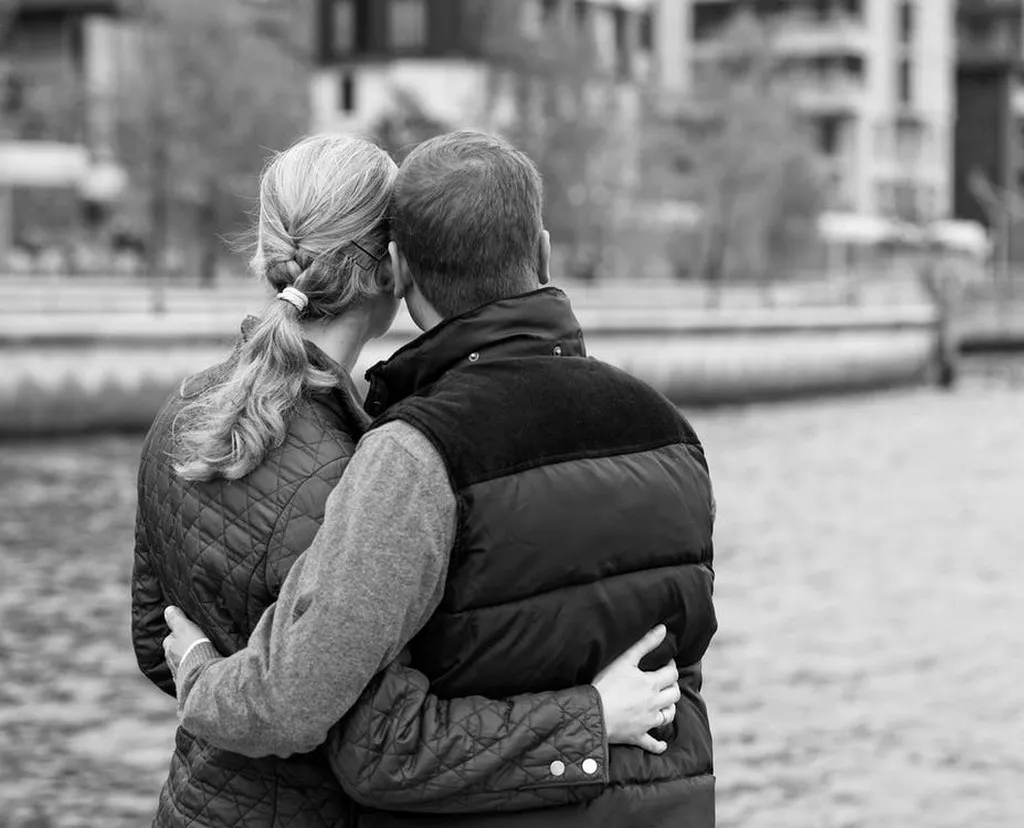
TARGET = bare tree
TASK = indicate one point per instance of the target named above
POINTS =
(223, 83)
(736, 146)
(551, 93)
(405, 124)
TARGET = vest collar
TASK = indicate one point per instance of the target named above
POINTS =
(540, 323)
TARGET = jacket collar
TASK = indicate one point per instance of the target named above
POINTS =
(540, 323)
(343, 400)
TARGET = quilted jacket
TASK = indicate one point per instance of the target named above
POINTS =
(220, 550)
(585, 517)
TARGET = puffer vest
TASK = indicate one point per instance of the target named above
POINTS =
(585, 518)
(221, 550)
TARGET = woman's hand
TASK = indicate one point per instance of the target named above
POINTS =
(634, 701)
(184, 636)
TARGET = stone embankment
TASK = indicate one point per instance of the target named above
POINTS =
(89, 356)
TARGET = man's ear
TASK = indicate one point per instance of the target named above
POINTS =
(399, 271)
(544, 258)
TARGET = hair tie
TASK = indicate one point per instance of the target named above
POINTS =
(294, 296)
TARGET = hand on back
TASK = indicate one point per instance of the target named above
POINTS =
(636, 701)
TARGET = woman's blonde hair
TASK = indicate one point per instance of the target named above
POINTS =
(322, 230)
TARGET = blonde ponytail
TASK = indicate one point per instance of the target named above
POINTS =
(322, 231)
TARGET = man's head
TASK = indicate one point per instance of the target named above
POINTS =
(466, 226)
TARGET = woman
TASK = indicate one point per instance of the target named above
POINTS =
(234, 477)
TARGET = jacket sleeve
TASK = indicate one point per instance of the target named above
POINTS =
(148, 626)
(403, 749)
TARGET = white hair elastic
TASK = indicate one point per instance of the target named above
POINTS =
(295, 297)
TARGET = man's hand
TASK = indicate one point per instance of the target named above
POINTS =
(184, 636)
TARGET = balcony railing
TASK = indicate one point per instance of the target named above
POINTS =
(811, 35)
(834, 92)
(799, 35)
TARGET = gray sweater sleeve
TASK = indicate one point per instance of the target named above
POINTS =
(368, 583)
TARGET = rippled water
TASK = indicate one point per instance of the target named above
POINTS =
(870, 576)
(867, 673)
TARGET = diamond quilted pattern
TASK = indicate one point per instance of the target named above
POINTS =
(394, 769)
(220, 550)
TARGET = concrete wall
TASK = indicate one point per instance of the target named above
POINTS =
(113, 371)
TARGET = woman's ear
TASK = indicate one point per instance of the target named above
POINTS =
(399, 271)
(386, 276)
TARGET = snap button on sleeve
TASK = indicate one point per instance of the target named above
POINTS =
(557, 768)
(557, 350)
(589, 767)
(473, 357)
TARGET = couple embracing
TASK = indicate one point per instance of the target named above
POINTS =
(479, 597)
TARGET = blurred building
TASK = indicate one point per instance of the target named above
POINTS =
(989, 159)
(874, 79)
(57, 114)
(443, 53)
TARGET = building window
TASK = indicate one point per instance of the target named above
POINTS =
(582, 10)
(883, 139)
(349, 27)
(646, 33)
(76, 41)
(408, 24)
(905, 200)
(906, 24)
(347, 92)
(343, 21)
(829, 131)
(532, 20)
(927, 201)
(550, 10)
(885, 197)
(853, 66)
(623, 53)
(710, 19)
(909, 142)
(905, 81)
(12, 94)
(854, 8)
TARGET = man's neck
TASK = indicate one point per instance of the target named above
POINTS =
(423, 315)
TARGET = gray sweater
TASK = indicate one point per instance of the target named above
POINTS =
(372, 577)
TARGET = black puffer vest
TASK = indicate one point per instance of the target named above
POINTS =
(585, 519)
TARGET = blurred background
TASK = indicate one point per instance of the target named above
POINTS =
(801, 219)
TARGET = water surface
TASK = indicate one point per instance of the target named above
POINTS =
(870, 564)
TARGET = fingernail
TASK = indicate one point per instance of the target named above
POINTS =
(168, 612)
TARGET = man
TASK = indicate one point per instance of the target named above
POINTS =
(517, 515)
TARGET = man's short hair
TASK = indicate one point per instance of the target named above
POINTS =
(467, 215)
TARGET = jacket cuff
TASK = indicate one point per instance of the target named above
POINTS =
(581, 755)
